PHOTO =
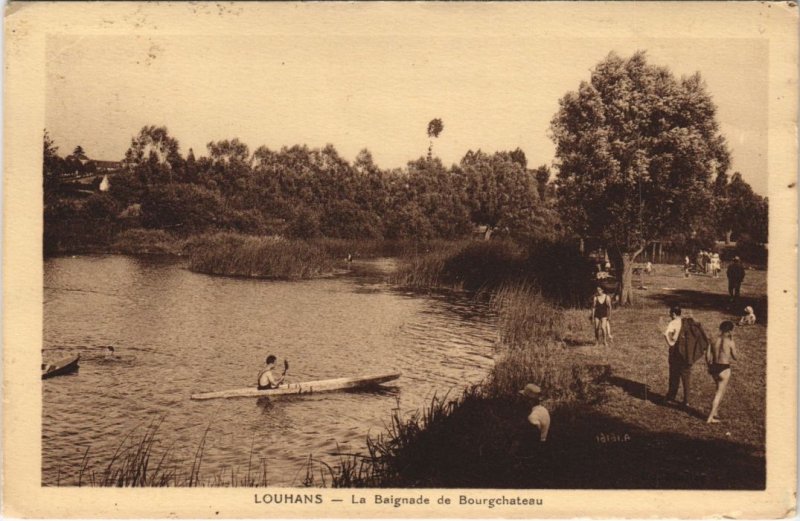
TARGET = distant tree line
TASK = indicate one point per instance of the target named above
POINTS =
(306, 193)
(639, 158)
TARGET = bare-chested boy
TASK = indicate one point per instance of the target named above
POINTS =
(718, 357)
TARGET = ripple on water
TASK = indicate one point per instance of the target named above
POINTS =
(176, 333)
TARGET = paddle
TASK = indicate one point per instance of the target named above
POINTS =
(285, 366)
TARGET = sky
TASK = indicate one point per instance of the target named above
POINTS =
(493, 91)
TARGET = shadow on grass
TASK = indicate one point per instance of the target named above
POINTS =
(695, 299)
(578, 342)
(487, 443)
(642, 392)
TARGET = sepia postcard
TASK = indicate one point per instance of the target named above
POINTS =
(400, 260)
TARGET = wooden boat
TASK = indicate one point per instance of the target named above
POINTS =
(63, 366)
(318, 386)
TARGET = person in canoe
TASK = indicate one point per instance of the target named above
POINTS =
(266, 379)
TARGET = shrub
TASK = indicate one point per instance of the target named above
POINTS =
(101, 206)
(560, 271)
(304, 225)
(181, 205)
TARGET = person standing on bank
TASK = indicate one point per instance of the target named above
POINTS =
(601, 314)
(539, 416)
(735, 278)
(718, 358)
(687, 343)
(267, 380)
(679, 369)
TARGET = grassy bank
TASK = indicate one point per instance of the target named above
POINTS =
(609, 426)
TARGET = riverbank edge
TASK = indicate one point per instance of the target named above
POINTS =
(221, 253)
(589, 447)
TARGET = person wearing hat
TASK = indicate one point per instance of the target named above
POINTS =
(735, 278)
(539, 416)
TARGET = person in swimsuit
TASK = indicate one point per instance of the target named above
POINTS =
(718, 357)
(601, 312)
(266, 380)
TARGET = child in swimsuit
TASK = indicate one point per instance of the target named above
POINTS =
(718, 357)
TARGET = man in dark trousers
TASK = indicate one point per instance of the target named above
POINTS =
(735, 278)
(687, 343)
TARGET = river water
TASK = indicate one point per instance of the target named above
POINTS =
(176, 333)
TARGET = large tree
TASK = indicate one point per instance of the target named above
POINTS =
(636, 150)
(742, 211)
(155, 150)
(502, 194)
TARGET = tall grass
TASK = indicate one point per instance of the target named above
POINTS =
(471, 265)
(238, 255)
(372, 248)
(525, 317)
(140, 460)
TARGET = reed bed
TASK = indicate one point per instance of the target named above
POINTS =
(470, 265)
(373, 248)
(141, 460)
(238, 255)
(525, 316)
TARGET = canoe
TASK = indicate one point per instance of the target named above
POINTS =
(318, 386)
(63, 366)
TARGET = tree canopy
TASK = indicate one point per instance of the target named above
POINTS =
(435, 127)
(636, 152)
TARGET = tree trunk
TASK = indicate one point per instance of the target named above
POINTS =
(625, 277)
